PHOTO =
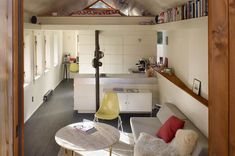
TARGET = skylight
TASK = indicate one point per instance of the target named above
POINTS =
(100, 5)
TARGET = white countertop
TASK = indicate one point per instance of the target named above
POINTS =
(136, 78)
(137, 75)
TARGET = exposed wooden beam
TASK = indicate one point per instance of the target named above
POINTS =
(232, 77)
(218, 78)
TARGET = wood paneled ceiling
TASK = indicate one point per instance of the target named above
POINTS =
(128, 7)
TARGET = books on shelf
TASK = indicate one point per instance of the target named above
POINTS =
(191, 9)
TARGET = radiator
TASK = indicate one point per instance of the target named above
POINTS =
(47, 96)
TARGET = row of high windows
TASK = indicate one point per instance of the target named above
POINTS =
(41, 53)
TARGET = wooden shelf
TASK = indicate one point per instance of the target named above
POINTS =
(91, 20)
(183, 24)
(175, 80)
(114, 23)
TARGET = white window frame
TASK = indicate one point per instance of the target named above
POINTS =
(28, 43)
(38, 55)
(47, 51)
(55, 48)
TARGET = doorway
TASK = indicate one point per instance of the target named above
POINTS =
(221, 41)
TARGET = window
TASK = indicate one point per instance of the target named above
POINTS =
(56, 48)
(27, 55)
(100, 5)
(47, 51)
(38, 53)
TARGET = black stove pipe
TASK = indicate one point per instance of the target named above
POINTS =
(96, 65)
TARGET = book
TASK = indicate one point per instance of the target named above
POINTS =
(118, 89)
(188, 10)
(86, 127)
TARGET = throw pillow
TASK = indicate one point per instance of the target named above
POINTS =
(185, 141)
(148, 145)
(169, 128)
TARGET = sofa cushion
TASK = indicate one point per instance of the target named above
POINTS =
(144, 124)
(151, 124)
(185, 141)
(148, 145)
(169, 128)
(201, 148)
(167, 110)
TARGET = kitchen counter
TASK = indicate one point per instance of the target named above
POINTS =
(138, 78)
(84, 88)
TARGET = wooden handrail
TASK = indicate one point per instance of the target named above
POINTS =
(176, 81)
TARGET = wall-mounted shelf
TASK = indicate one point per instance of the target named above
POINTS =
(183, 24)
(176, 81)
(113, 23)
(90, 20)
(31, 26)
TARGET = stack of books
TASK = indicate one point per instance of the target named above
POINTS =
(191, 9)
(87, 127)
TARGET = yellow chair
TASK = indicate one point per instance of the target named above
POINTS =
(74, 68)
(109, 109)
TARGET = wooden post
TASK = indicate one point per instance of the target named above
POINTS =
(231, 77)
(11, 78)
(19, 70)
(221, 77)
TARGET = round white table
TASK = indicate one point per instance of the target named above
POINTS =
(75, 140)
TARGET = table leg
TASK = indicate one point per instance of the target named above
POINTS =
(110, 151)
(66, 71)
(69, 152)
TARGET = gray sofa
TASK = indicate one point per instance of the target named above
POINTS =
(150, 125)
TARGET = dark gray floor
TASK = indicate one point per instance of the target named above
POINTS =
(58, 112)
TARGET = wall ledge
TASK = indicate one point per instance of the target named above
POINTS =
(176, 81)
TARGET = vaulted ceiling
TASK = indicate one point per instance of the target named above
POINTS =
(128, 7)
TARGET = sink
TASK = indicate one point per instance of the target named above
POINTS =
(132, 70)
(103, 75)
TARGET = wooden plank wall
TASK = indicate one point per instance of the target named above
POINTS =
(232, 77)
(9, 73)
(6, 78)
(221, 77)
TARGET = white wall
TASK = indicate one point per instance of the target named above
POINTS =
(193, 109)
(70, 43)
(48, 80)
(187, 52)
(121, 49)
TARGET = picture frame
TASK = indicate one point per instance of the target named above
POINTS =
(196, 86)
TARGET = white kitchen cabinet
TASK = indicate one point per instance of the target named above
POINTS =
(84, 97)
(122, 50)
(135, 102)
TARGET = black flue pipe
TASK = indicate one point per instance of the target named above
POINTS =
(97, 72)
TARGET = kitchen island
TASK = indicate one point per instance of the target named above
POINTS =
(84, 90)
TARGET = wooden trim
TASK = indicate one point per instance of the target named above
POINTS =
(218, 78)
(232, 77)
(18, 78)
(176, 81)
(20, 73)
(15, 82)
